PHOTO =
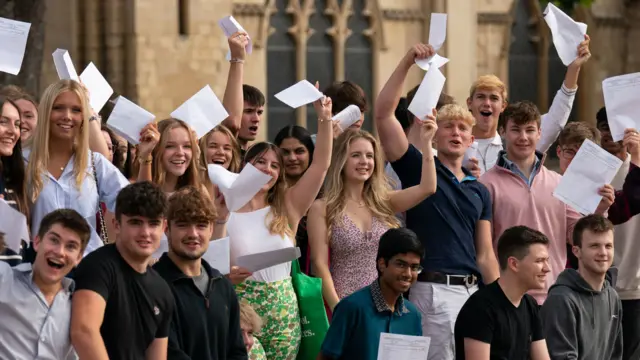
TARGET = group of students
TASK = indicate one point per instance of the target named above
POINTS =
(124, 228)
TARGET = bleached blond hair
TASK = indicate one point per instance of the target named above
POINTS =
(455, 112)
(489, 82)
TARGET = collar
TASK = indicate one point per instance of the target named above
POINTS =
(507, 164)
(172, 273)
(381, 304)
(467, 174)
(497, 140)
(27, 271)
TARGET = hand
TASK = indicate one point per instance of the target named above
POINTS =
(474, 167)
(337, 130)
(149, 138)
(323, 107)
(237, 44)
(583, 53)
(221, 207)
(608, 194)
(428, 128)
(419, 51)
(86, 91)
(631, 141)
(238, 275)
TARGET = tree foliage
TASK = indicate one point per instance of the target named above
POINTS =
(567, 5)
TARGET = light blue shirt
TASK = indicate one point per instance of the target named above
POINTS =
(62, 193)
(510, 165)
(29, 327)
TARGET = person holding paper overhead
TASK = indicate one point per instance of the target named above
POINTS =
(219, 146)
(343, 94)
(358, 206)
(233, 100)
(254, 102)
(206, 319)
(28, 107)
(274, 214)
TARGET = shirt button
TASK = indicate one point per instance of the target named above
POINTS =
(43, 339)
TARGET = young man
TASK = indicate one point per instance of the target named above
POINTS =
(582, 316)
(122, 308)
(488, 99)
(345, 93)
(522, 188)
(35, 300)
(254, 102)
(501, 320)
(359, 319)
(454, 224)
(205, 322)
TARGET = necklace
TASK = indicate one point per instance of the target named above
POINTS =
(359, 203)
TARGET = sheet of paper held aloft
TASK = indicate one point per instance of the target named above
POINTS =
(261, 261)
(218, 255)
(472, 152)
(567, 33)
(590, 169)
(127, 120)
(437, 36)
(300, 94)
(621, 98)
(230, 26)
(238, 189)
(428, 93)
(403, 347)
(13, 43)
(99, 89)
(64, 65)
(14, 226)
(203, 111)
(348, 116)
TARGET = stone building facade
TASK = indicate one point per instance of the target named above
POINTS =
(159, 52)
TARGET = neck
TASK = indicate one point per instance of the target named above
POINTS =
(188, 267)
(413, 136)
(259, 201)
(170, 183)
(485, 134)
(512, 288)
(48, 290)
(525, 165)
(60, 147)
(292, 180)
(139, 266)
(453, 163)
(353, 190)
(244, 144)
(390, 296)
(596, 281)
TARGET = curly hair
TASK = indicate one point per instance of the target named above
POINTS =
(141, 199)
(522, 113)
(191, 205)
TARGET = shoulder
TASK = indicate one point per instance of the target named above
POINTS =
(551, 175)
(490, 176)
(318, 207)
(159, 288)
(413, 309)
(357, 301)
(104, 257)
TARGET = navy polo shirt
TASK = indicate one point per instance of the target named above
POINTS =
(360, 318)
(446, 221)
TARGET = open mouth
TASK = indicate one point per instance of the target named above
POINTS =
(65, 126)
(178, 162)
(7, 141)
(218, 161)
(456, 142)
(253, 129)
(485, 113)
(55, 264)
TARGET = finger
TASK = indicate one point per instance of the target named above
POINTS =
(317, 85)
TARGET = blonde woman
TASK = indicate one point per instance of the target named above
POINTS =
(220, 147)
(269, 222)
(62, 171)
(358, 207)
(250, 323)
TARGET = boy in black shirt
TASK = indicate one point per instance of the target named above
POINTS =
(122, 308)
(501, 321)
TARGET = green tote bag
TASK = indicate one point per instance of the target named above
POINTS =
(313, 317)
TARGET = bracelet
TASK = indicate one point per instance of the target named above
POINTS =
(146, 161)
(94, 118)
(221, 222)
(238, 61)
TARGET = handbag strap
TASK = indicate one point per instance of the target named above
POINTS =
(103, 228)
(295, 267)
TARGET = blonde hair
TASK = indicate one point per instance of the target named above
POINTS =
(455, 112)
(234, 164)
(249, 316)
(489, 82)
(192, 175)
(376, 189)
(39, 142)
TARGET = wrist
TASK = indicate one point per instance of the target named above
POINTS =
(236, 60)
(94, 118)
(145, 160)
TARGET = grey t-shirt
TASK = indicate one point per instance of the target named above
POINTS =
(202, 281)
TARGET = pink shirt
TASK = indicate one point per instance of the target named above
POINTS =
(515, 203)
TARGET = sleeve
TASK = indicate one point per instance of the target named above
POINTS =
(5, 276)
(572, 218)
(339, 333)
(617, 346)
(236, 349)
(537, 330)
(487, 206)
(95, 273)
(627, 202)
(559, 326)
(165, 325)
(409, 167)
(475, 321)
(110, 181)
(555, 120)
(174, 349)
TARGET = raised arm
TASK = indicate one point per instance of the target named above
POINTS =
(233, 100)
(404, 200)
(300, 197)
(392, 137)
(149, 138)
(87, 314)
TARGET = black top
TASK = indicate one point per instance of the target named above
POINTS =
(204, 327)
(139, 306)
(488, 316)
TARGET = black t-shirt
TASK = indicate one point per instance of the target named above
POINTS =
(139, 306)
(488, 316)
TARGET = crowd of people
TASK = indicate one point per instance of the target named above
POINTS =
(408, 235)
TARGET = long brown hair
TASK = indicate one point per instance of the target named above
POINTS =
(192, 175)
(236, 159)
(12, 171)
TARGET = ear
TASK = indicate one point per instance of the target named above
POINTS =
(36, 243)
(504, 106)
(468, 102)
(558, 151)
(513, 264)
(381, 264)
(576, 251)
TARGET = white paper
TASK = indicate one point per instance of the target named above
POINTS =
(64, 65)
(203, 111)
(128, 119)
(162, 248)
(13, 42)
(348, 116)
(261, 261)
(403, 347)
(428, 93)
(590, 169)
(238, 189)
(567, 33)
(230, 26)
(14, 226)
(218, 255)
(99, 89)
(621, 98)
(472, 152)
(437, 36)
(436, 60)
(300, 94)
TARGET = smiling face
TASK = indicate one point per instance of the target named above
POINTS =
(296, 157)
(66, 116)
(58, 251)
(178, 151)
(9, 129)
(138, 236)
(189, 241)
(29, 118)
(400, 272)
(360, 162)
(219, 149)
(595, 254)
(521, 139)
(270, 164)
(486, 105)
(532, 270)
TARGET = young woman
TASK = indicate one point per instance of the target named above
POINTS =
(358, 206)
(62, 171)
(28, 109)
(220, 147)
(269, 222)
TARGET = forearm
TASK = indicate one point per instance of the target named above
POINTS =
(324, 144)
(145, 172)
(96, 140)
(219, 230)
(328, 289)
(488, 266)
(89, 345)
(233, 100)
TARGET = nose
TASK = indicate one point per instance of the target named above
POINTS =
(248, 340)
(192, 231)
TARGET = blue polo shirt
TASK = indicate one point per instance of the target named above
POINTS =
(445, 222)
(360, 318)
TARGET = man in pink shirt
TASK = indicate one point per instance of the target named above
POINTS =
(521, 189)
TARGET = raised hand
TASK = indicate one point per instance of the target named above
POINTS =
(583, 52)
(428, 127)
(608, 194)
(221, 207)
(474, 167)
(149, 138)
(419, 51)
(323, 107)
(237, 44)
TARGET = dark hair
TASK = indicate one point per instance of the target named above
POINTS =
(522, 113)
(575, 133)
(515, 241)
(399, 241)
(190, 205)
(443, 100)
(12, 170)
(597, 224)
(16, 93)
(601, 118)
(402, 114)
(299, 133)
(345, 93)
(117, 154)
(141, 199)
(68, 219)
(252, 95)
